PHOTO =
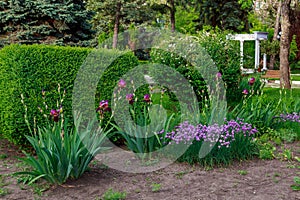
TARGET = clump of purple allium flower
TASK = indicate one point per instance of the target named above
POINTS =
(292, 117)
(184, 132)
(221, 134)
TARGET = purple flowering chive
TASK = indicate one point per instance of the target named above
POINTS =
(219, 75)
(55, 114)
(147, 98)
(251, 81)
(122, 83)
(245, 92)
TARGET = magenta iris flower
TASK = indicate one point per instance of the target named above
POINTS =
(130, 99)
(147, 98)
(245, 92)
(103, 106)
(122, 83)
(251, 81)
(55, 114)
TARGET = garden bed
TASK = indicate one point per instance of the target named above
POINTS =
(254, 179)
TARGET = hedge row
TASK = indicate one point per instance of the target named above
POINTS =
(27, 70)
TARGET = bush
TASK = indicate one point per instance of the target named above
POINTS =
(27, 70)
(181, 65)
(223, 52)
(226, 55)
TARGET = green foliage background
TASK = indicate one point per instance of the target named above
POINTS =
(48, 22)
(225, 54)
(29, 69)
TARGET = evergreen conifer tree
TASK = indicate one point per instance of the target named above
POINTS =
(62, 22)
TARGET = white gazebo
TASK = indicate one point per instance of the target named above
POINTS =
(257, 36)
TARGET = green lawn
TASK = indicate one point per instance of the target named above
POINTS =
(274, 93)
(295, 78)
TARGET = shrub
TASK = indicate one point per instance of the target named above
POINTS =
(225, 54)
(181, 65)
(27, 70)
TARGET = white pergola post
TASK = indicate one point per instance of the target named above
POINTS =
(256, 66)
(242, 54)
(265, 63)
(257, 36)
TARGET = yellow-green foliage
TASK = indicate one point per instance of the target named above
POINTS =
(27, 69)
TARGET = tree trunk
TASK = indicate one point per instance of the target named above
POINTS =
(117, 24)
(172, 15)
(295, 29)
(276, 31)
(285, 45)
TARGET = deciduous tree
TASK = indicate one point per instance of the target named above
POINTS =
(285, 44)
(111, 16)
(230, 15)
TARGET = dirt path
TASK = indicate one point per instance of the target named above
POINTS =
(255, 179)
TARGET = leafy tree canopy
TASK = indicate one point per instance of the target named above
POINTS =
(227, 15)
(132, 12)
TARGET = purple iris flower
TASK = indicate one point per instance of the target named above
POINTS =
(103, 106)
(147, 98)
(245, 92)
(55, 114)
(251, 81)
(130, 97)
(122, 83)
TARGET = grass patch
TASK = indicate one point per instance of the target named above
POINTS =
(242, 172)
(3, 191)
(155, 187)
(112, 194)
(271, 94)
(295, 78)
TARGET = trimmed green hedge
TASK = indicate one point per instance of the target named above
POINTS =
(27, 70)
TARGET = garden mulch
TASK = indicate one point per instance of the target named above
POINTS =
(261, 180)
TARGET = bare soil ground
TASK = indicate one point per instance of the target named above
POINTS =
(254, 179)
